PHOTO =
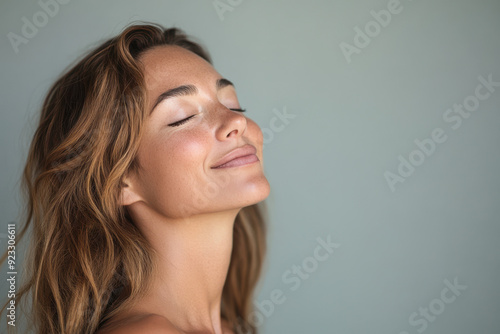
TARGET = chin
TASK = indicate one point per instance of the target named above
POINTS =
(256, 192)
(235, 196)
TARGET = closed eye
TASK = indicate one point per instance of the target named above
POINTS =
(186, 119)
(181, 121)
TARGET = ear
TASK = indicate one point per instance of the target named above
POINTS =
(128, 191)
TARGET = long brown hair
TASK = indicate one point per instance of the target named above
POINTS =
(87, 260)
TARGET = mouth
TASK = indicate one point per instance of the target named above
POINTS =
(244, 160)
(240, 156)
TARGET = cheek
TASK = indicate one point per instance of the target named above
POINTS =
(185, 157)
(174, 167)
(184, 153)
(175, 162)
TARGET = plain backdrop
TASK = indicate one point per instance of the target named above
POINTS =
(343, 93)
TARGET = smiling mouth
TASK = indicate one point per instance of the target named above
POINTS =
(242, 155)
(240, 161)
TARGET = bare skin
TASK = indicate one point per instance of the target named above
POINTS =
(185, 208)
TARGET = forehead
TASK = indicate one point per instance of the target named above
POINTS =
(169, 66)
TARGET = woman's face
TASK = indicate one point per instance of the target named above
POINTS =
(176, 177)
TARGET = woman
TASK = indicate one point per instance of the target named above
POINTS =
(144, 183)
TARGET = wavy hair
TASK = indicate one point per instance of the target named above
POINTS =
(87, 260)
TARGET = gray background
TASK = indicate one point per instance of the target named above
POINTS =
(352, 120)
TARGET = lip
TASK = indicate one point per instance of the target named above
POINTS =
(239, 156)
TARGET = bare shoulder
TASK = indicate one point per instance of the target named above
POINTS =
(147, 324)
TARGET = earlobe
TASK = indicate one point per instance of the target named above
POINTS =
(128, 195)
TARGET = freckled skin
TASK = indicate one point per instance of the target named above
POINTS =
(185, 209)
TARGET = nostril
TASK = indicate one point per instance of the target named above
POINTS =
(229, 134)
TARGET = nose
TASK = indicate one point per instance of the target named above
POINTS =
(231, 123)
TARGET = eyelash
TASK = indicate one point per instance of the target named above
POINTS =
(186, 119)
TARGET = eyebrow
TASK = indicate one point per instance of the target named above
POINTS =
(185, 90)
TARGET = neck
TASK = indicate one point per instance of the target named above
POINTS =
(192, 259)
